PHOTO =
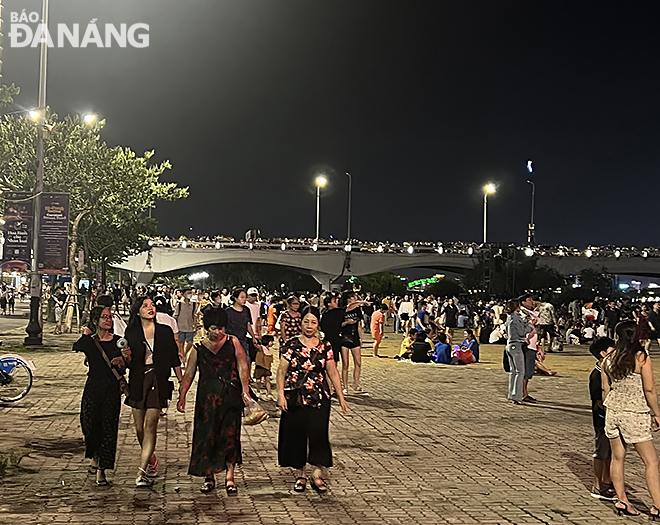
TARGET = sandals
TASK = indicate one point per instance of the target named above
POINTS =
(625, 509)
(102, 483)
(92, 470)
(232, 489)
(654, 515)
(300, 485)
(319, 485)
(208, 485)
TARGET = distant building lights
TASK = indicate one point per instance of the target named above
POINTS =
(623, 286)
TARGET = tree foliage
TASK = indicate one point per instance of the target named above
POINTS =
(382, 284)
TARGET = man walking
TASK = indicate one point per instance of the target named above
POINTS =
(185, 313)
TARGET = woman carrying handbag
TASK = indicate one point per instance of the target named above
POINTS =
(306, 364)
(101, 399)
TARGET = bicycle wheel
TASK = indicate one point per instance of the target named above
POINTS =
(19, 380)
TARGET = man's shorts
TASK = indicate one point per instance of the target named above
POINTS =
(530, 363)
(602, 448)
(633, 427)
(545, 330)
(186, 337)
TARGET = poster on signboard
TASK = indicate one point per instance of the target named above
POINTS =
(54, 233)
(17, 230)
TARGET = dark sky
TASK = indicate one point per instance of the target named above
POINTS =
(422, 101)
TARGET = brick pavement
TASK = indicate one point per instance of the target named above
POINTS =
(431, 445)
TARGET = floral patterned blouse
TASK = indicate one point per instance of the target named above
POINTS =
(307, 365)
(292, 326)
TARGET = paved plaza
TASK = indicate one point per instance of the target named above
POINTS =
(431, 445)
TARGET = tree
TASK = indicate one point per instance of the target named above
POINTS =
(7, 94)
(382, 284)
(111, 189)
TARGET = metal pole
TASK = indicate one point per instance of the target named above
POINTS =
(318, 210)
(531, 229)
(34, 329)
(350, 193)
(485, 214)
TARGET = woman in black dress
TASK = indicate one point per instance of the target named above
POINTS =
(101, 399)
(239, 320)
(223, 385)
(351, 340)
(154, 353)
(306, 364)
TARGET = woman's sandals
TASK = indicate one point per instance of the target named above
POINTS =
(208, 485)
(300, 485)
(318, 484)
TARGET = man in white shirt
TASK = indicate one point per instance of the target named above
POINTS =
(225, 298)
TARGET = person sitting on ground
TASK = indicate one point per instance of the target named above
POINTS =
(406, 344)
(497, 336)
(421, 349)
(470, 344)
(443, 351)
(588, 333)
(603, 487)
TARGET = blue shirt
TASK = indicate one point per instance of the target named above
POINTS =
(472, 345)
(442, 353)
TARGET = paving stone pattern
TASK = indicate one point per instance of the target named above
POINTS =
(431, 445)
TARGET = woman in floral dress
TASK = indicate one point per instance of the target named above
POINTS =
(221, 390)
(306, 364)
(290, 321)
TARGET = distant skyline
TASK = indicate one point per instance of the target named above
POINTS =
(422, 102)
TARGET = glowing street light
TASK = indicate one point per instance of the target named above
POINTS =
(89, 118)
(489, 189)
(34, 114)
(321, 182)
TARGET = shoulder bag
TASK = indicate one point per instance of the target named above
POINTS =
(123, 385)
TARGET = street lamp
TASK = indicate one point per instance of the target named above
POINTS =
(531, 228)
(34, 330)
(489, 189)
(89, 118)
(350, 193)
(321, 182)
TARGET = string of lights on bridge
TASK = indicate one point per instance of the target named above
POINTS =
(455, 248)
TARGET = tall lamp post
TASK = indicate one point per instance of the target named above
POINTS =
(321, 181)
(531, 229)
(489, 189)
(34, 329)
(350, 194)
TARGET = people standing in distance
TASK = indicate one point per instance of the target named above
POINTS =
(239, 322)
(154, 353)
(530, 350)
(516, 329)
(185, 313)
(351, 337)
(306, 365)
(378, 327)
(632, 413)
(222, 390)
(290, 320)
(406, 313)
(101, 399)
(331, 321)
(254, 305)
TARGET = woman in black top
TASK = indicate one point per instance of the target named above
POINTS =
(351, 340)
(239, 320)
(154, 353)
(101, 399)
(306, 364)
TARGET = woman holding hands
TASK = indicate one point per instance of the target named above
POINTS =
(306, 364)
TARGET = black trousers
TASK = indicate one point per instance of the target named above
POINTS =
(303, 437)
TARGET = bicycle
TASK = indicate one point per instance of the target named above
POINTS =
(15, 377)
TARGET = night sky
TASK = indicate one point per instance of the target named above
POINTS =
(422, 101)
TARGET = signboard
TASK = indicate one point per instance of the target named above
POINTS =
(17, 249)
(54, 233)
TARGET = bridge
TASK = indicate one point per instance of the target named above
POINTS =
(328, 260)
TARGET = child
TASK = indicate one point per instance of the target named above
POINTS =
(263, 362)
(406, 344)
(377, 327)
(603, 488)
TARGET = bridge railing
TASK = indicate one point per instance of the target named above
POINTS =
(453, 248)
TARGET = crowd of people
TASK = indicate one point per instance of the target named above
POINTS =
(232, 338)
